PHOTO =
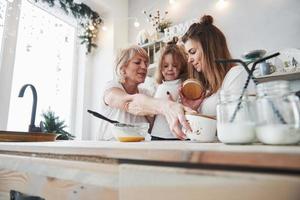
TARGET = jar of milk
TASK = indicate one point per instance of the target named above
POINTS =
(235, 118)
(278, 116)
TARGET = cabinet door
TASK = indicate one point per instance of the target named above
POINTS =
(161, 183)
(58, 179)
(51, 188)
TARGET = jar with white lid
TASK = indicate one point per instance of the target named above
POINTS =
(277, 114)
(235, 118)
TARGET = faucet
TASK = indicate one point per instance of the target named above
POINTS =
(32, 127)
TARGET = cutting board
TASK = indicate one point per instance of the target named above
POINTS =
(13, 136)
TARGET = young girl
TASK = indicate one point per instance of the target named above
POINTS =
(171, 70)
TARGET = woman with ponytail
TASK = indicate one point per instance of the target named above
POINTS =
(204, 44)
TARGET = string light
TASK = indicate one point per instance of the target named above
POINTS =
(221, 4)
(172, 2)
(104, 28)
(136, 24)
(91, 27)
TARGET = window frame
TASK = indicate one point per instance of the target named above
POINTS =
(11, 21)
(2, 39)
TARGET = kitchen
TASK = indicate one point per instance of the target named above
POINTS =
(248, 25)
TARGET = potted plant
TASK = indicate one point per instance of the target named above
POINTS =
(162, 25)
(52, 124)
(159, 21)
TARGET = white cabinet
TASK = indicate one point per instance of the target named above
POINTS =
(153, 49)
(170, 183)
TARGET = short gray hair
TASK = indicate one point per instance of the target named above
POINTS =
(123, 58)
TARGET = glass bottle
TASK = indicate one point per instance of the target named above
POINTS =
(235, 118)
(278, 117)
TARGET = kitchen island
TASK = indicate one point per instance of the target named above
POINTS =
(149, 170)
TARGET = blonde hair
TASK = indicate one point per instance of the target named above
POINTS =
(214, 46)
(123, 58)
(178, 56)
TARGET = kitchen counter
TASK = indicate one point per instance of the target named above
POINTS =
(183, 152)
(149, 170)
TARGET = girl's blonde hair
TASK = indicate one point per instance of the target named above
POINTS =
(178, 56)
(123, 58)
(214, 46)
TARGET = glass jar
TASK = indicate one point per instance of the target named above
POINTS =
(278, 117)
(235, 118)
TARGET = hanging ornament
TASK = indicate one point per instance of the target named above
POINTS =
(87, 18)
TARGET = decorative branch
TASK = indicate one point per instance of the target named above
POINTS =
(158, 21)
(89, 20)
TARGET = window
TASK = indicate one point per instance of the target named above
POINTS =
(3, 5)
(44, 58)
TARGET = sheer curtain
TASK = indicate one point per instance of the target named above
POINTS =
(3, 4)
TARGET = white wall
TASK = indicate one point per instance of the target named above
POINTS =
(99, 66)
(247, 24)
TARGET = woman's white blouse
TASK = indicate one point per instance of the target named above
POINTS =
(234, 81)
(105, 132)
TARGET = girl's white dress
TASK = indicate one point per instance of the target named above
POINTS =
(161, 127)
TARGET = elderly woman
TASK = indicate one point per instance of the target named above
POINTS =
(204, 44)
(123, 101)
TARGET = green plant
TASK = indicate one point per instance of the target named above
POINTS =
(52, 124)
(88, 19)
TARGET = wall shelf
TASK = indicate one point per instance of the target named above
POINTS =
(153, 50)
(279, 76)
(151, 69)
(151, 44)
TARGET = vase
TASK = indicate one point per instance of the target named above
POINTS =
(159, 35)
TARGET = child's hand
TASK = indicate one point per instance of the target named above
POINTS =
(193, 104)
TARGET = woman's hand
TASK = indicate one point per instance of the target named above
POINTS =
(174, 113)
(139, 104)
(193, 104)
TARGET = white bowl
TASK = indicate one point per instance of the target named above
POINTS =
(135, 133)
(204, 128)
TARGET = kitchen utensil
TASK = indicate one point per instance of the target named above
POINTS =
(203, 127)
(271, 127)
(116, 123)
(130, 134)
(229, 132)
(266, 68)
(250, 76)
(253, 55)
(125, 132)
(192, 89)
